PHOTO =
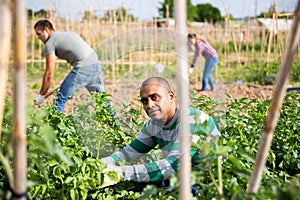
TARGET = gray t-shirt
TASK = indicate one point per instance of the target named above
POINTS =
(71, 47)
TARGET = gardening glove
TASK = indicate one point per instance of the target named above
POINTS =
(40, 99)
(112, 175)
(108, 160)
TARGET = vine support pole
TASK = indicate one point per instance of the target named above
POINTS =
(276, 103)
(272, 36)
(5, 37)
(183, 91)
(19, 119)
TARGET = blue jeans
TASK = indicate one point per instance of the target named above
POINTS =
(209, 65)
(89, 77)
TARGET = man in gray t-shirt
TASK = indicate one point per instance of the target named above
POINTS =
(71, 47)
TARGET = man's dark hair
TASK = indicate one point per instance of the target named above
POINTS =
(42, 24)
(161, 81)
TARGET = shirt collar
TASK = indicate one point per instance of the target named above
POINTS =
(173, 120)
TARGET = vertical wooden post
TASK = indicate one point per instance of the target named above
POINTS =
(226, 52)
(274, 110)
(183, 91)
(115, 50)
(130, 63)
(236, 49)
(32, 39)
(5, 37)
(19, 138)
(274, 20)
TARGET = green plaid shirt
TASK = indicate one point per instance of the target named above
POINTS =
(167, 139)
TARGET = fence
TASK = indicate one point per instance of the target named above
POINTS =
(121, 45)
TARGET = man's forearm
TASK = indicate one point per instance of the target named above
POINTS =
(49, 74)
(151, 172)
(47, 81)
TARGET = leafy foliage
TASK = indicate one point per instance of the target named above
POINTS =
(64, 151)
(241, 134)
(207, 12)
(258, 73)
(119, 14)
(199, 13)
(39, 14)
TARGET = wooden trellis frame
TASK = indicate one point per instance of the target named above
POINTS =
(17, 181)
(19, 119)
(276, 103)
(5, 37)
(183, 93)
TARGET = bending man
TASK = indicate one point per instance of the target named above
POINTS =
(71, 47)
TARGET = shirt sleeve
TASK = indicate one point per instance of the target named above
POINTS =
(49, 48)
(202, 129)
(161, 169)
(204, 125)
(198, 51)
(153, 171)
(140, 146)
(213, 131)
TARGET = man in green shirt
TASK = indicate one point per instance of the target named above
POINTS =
(160, 104)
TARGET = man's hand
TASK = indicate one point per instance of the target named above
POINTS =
(112, 175)
(39, 99)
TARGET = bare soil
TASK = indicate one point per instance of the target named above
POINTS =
(238, 91)
(126, 93)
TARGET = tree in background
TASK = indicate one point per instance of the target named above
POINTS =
(199, 13)
(167, 10)
(207, 12)
(269, 14)
(39, 14)
(89, 15)
(121, 14)
(192, 11)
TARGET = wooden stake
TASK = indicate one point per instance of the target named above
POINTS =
(5, 37)
(274, 20)
(19, 124)
(183, 93)
(274, 109)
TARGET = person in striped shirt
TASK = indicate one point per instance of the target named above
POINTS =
(210, 55)
(160, 104)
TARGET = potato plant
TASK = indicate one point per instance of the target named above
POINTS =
(64, 151)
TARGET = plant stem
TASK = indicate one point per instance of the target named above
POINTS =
(220, 174)
(8, 170)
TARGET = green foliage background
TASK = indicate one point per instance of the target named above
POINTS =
(64, 151)
(198, 13)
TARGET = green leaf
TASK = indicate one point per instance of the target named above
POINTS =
(223, 150)
(69, 179)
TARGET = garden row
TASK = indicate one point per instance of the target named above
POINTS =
(64, 151)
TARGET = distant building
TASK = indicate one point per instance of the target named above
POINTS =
(163, 22)
(275, 26)
(200, 25)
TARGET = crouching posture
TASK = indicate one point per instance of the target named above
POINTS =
(161, 129)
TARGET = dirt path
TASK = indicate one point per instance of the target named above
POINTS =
(125, 92)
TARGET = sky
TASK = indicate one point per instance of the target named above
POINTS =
(147, 9)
